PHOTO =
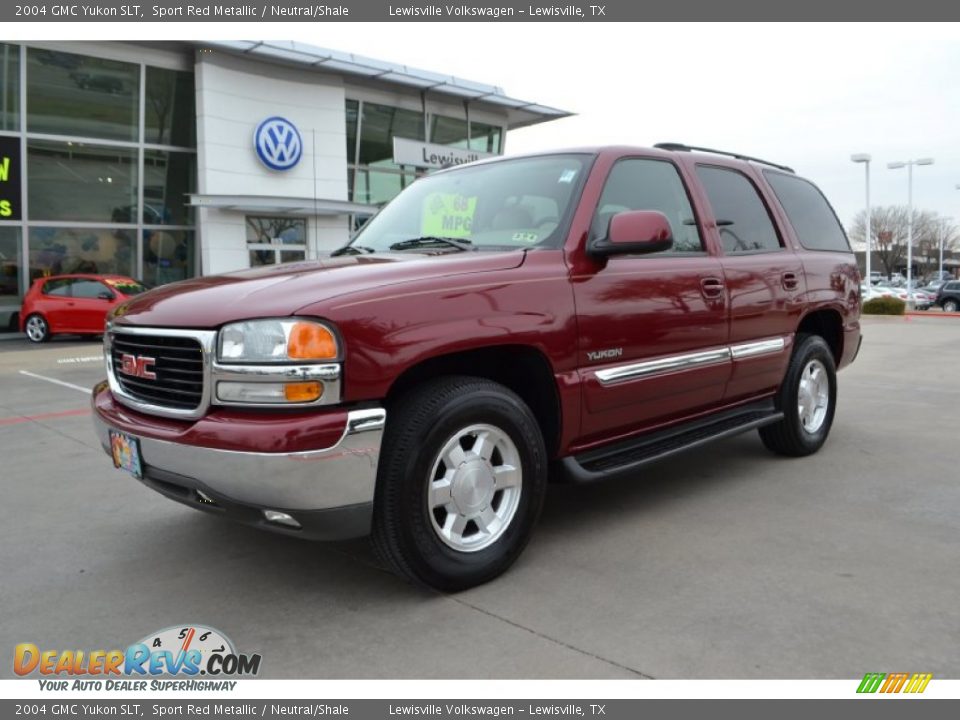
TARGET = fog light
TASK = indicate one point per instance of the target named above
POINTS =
(280, 518)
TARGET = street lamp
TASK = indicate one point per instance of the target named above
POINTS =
(865, 159)
(908, 164)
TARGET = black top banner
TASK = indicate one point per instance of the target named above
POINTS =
(473, 11)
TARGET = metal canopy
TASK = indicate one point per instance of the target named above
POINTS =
(520, 112)
(280, 205)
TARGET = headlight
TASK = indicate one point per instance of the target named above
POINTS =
(267, 341)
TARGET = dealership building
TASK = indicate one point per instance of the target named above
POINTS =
(169, 160)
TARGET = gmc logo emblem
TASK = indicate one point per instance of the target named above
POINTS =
(138, 366)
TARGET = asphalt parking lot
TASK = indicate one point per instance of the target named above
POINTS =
(724, 563)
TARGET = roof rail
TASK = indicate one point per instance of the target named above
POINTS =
(680, 147)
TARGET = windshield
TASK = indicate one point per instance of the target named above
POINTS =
(502, 205)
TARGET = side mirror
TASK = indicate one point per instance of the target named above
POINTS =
(634, 232)
(106, 295)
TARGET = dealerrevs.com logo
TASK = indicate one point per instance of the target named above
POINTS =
(181, 651)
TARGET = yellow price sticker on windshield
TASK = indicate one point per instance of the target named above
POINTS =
(448, 215)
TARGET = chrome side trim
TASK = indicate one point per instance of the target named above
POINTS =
(608, 376)
(761, 347)
(343, 474)
(661, 365)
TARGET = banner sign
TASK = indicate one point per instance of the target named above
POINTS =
(10, 178)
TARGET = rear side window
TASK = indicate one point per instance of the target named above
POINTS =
(742, 219)
(952, 286)
(809, 212)
(58, 288)
(88, 289)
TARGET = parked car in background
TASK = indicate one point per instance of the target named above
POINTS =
(949, 296)
(73, 304)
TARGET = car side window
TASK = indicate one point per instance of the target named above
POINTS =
(813, 220)
(89, 289)
(646, 184)
(743, 221)
(58, 288)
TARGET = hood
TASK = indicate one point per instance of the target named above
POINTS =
(278, 291)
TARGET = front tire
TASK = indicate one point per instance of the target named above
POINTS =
(807, 398)
(36, 328)
(462, 479)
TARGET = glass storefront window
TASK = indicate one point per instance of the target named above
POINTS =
(168, 255)
(9, 267)
(272, 240)
(9, 87)
(453, 132)
(375, 187)
(448, 131)
(485, 138)
(379, 125)
(56, 250)
(76, 181)
(353, 111)
(170, 108)
(70, 94)
(167, 178)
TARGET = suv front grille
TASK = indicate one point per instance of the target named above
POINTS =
(177, 364)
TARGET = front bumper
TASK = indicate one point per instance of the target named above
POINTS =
(328, 492)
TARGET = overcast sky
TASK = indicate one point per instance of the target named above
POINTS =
(807, 96)
(804, 95)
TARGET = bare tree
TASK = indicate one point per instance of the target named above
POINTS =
(888, 232)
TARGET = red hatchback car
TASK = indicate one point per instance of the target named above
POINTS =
(73, 304)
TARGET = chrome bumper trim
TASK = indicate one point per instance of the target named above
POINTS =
(343, 474)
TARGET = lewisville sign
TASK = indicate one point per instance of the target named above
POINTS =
(429, 155)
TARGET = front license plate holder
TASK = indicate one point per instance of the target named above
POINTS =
(125, 450)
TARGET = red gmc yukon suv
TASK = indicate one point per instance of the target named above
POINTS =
(571, 315)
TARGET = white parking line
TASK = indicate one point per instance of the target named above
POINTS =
(85, 391)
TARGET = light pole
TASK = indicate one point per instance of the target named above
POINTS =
(908, 164)
(865, 159)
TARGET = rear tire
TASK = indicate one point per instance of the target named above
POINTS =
(36, 329)
(462, 479)
(807, 398)
(950, 306)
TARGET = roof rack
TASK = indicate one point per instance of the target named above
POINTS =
(680, 147)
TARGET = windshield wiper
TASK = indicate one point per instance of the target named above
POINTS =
(428, 240)
(352, 250)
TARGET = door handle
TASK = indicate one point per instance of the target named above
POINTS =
(789, 281)
(711, 287)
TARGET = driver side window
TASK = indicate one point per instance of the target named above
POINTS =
(646, 184)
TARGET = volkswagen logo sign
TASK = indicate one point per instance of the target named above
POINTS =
(278, 143)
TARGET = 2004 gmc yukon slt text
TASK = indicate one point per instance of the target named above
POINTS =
(570, 315)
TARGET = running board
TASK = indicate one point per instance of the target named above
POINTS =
(623, 457)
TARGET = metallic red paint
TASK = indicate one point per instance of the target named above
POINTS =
(395, 311)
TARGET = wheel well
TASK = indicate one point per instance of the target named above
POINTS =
(523, 369)
(828, 325)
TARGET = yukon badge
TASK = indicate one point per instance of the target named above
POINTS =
(604, 354)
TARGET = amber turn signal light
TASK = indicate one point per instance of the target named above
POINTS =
(302, 392)
(309, 341)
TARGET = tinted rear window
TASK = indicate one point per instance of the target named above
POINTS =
(813, 219)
